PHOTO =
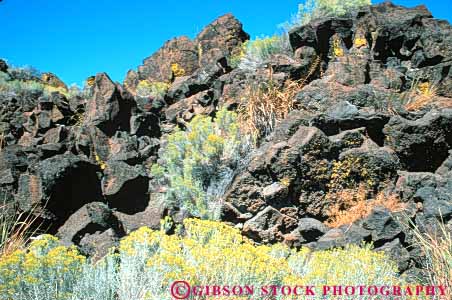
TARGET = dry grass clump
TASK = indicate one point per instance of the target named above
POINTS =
(444, 102)
(266, 104)
(421, 95)
(354, 204)
(16, 229)
(437, 249)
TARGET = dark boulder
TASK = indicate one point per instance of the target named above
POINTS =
(398, 253)
(94, 228)
(383, 226)
(3, 66)
(339, 237)
(125, 187)
(202, 103)
(322, 94)
(367, 165)
(305, 69)
(107, 109)
(309, 230)
(199, 81)
(59, 186)
(177, 57)
(333, 238)
(92, 217)
(182, 57)
(423, 144)
(123, 147)
(269, 225)
(219, 39)
(291, 163)
(150, 216)
(446, 166)
(145, 124)
(431, 191)
(346, 116)
(349, 139)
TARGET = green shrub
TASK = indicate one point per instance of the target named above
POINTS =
(24, 73)
(312, 9)
(20, 87)
(256, 52)
(26, 80)
(209, 253)
(198, 164)
(156, 90)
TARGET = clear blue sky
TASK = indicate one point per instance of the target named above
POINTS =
(75, 39)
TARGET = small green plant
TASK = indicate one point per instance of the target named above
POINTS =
(25, 73)
(166, 224)
(19, 87)
(313, 9)
(25, 80)
(199, 163)
(256, 52)
(155, 90)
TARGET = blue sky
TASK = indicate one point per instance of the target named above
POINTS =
(76, 39)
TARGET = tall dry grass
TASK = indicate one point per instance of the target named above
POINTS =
(16, 228)
(266, 104)
(422, 94)
(437, 248)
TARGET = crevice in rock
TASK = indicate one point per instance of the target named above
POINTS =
(433, 61)
(380, 243)
(74, 189)
(445, 71)
(425, 159)
(132, 198)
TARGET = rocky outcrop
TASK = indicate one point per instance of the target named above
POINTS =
(52, 80)
(182, 56)
(422, 144)
(94, 228)
(82, 162)
(354, 129)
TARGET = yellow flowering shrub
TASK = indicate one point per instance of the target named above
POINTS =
(90, 81)
(360, 41)
(46, 270)
(200, 162)
(147, 262)
(102, 164)
(177, 70)
(338, 51)
(350, 266)
(425, 88)
(212, 253)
